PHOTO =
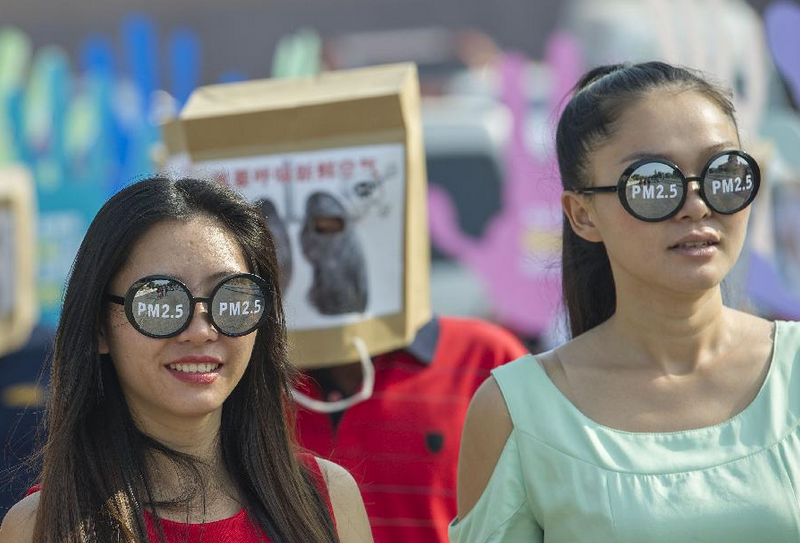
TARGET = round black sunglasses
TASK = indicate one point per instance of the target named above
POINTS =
(160, 306)
(655, 189)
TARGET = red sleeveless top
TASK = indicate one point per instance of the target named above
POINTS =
(238, 528)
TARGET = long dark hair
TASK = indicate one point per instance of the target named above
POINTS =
(95, 476)
(598, 101)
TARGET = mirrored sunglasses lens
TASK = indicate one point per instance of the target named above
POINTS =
(729, 183)
(160, 307)
(238, 306)
(654, 190)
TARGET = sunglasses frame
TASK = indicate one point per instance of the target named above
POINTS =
(127, 302)
(621, 185)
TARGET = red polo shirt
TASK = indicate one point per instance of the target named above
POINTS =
(402, 444)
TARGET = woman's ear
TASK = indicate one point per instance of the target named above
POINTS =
(579, 213)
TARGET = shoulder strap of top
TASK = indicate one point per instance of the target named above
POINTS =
(309, 462)
(529, 394)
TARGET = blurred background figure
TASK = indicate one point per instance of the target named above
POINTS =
(82, 97)
(23, 345)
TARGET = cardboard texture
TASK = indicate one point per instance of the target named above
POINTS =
(18, 309)
(349, 141)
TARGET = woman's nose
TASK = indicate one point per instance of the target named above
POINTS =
(200, 328)
(694, 208)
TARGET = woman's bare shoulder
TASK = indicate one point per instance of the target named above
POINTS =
(352, 523)
(489, 406)
(758, 325)
(19, 522)
(335, 475)
(756, 332)
(486, 430)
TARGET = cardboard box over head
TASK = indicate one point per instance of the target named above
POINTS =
(336, 164)
(18, 307)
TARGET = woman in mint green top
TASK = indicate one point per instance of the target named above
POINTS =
(668, 417)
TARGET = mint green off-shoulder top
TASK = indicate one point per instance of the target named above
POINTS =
(562, 477)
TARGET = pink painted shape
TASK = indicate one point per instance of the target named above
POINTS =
(443, 221)
(516, 258)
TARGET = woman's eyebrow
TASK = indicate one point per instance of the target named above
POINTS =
(209, 280)
(214, 277)
(640, 155)
(710, 150)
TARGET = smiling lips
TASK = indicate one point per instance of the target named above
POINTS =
(195, 369)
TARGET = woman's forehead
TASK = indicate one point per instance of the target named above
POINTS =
(194, 251)
(660, 116)
(681, 126)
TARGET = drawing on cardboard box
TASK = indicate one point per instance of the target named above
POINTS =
(337, 216)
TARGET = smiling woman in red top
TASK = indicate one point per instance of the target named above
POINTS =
(168, 418)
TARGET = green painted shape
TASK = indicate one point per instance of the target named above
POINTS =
(15, 55)
(297, 55)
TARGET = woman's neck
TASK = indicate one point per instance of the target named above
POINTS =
(217, 495)
(198, 437)
(675, 332)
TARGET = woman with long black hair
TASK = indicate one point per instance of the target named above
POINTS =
(169, 414)
(668, 416)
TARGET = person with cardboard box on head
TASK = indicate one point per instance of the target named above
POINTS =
(387, 385)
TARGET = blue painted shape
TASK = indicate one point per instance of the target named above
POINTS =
(766, 287)
(184, 57)
(141, 54)
(97, 56)
(232, 76)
